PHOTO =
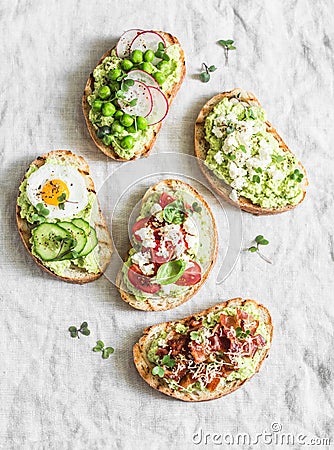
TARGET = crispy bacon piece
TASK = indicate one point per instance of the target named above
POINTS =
(177, 344)
(187, 380)
(228, 321)
(161, 352)
(213, 384)
(197, 351)
(260, 341)
(219, 344)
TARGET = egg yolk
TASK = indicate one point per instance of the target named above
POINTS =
(54, 189)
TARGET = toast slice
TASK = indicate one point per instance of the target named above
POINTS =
(202, 146)
(103, 250)
(145, 366)
(162, 304)
(170, 94)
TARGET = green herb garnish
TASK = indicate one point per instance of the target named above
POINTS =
(227, 45)
(259, 240)
(256, 179)
(296, 175)
(241, 334)
(158, 370)
(174, 212)
(83, 330)
(170, 272)
(205, 74)
(168, 361)
(160, 53)
(42, 213)
(106, 351)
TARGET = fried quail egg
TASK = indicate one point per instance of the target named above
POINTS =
(61, 189)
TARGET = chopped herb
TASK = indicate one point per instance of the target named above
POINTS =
(243, 148)
(74, 331)
(256, 179)
(277, 158)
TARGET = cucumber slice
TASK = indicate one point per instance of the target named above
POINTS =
(51, 241)
(92, 240)
(77, 233)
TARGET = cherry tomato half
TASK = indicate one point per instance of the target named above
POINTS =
(141, 281)
(191, 276)
(165, 199)
(138, 225)
(159, 259)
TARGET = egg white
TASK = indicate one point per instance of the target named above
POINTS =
(74, 181)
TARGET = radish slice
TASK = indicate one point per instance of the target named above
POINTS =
(160, 106)
(147, 40)
(144, 77)
(125, 41)
(142, 93)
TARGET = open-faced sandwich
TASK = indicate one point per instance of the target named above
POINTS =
(246, 161)
(206, 355)
(174, 247)
(129, 92)
(59, 218)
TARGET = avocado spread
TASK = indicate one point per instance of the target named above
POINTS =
(109, 125)
(27, 210)
(248, 158)
(246, 366)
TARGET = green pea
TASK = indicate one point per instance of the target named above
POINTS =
(127, 142)
(118, 114)
(159, 77)
(97, 105)
(114, 74)
(162, 65)
(147, 67)
(126, 120)
(114, 86)
(137, 56)
(117, 127)
(104, 92)
(107, 139)
(131, 129)
(108, 109)
(126, 64)
(141, 123)
(148, 56)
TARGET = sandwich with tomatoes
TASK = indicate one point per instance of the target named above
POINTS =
(174, 247)
(206, 355)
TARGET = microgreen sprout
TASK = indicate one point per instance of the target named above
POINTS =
(106, 351)
(42, 213)
(259, 240)
(241, 334)
(227, 45)
(296, 175)
(166, 361)
(205, 74)
(158, 370)
(83, 330)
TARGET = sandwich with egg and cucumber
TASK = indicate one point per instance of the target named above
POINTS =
(129, 93)
(59, 218)
(206, 355)
(244, 158)
(173, 248)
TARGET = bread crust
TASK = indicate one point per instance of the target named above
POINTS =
(144, 366)
(80, 276)
(202, 146)
(151, 305)
(89, 88)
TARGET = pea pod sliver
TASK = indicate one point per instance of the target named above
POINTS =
(77, 233)
(92, 240)
(51, 240)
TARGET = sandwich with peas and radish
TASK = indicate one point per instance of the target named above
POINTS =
(173, 248)
(59, 218)
(129, 93)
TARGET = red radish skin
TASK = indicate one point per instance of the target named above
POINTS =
(144, 104)
(143, 41)
(160, 106)
(125, 41)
